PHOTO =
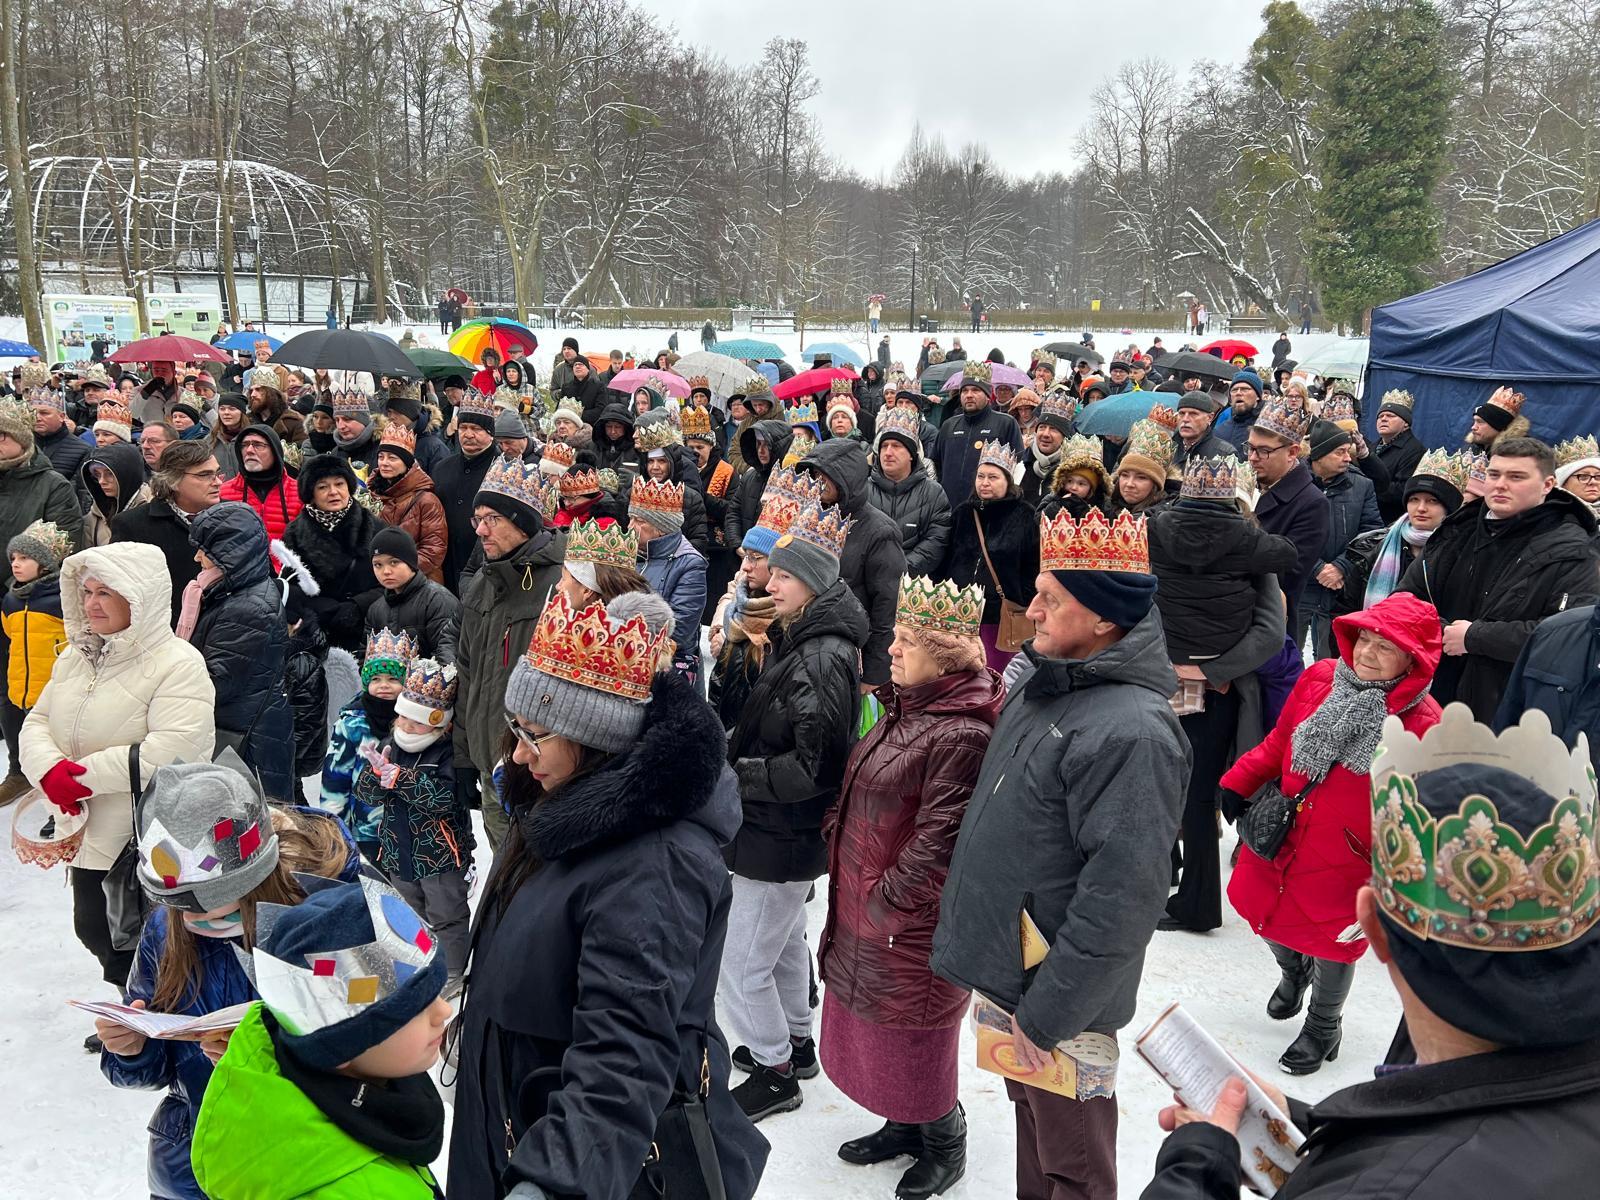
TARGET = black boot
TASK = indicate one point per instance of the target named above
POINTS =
(893, 1140)
(943, 1160)
(1290, 993)
(1319, 1038)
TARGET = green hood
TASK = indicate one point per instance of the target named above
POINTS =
(260, 1138)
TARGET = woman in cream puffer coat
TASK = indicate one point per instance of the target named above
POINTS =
(141, 684)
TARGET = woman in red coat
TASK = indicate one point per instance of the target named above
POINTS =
(890, 1027)
(1304, 899)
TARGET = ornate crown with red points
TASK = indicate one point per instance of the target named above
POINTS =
(583, 648)
(1094, 543)
(517, 479)
(396, 434)
(474, 402)
(787, 492)
(823, 525)
(580, 481)
(1165, 417)
(939, 607)
(652, 495)
(351, 404)
(114, 413)
(698, 383)
(696, 423)
(557, 459)
(999, 454)
(588, 541)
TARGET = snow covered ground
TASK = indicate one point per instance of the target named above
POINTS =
(69, 1135)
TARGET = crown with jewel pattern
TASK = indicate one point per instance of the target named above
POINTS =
(698, 383)
(429, 692)
(656, 435)
(653, 495)
(1475, 465)
(939, 607)
(1573, 449)
(1044, 358)
(1441, 464)
(396, 434)
(787, 492)
(34, 375)
(998, 454)
(44, 397)
(557, 458)
(518, 480)
(93, 375)
(1399, 398)
(406, 389)
(1340, 408)
(1468, 878)
(902, 422)
(351, 404)
(477, 404)
(1058, 402)
(388, 653)
(841, 387)
(548, 497)
(802, 412)
(1152, 436)
(580, 481)
(612, 545)
(1094, 543)
(114, 412)
(49, 537)
(583, 648)
(1506, 401)
(755, 387)
(696, 423)
(822, 525)
(506, 398)
(268, 375)
(1080, 450)
(1211, 478)
(181, 850)
(1283, 420)
(977, 371)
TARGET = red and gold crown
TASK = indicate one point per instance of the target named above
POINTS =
(696, 423)
(698, 382)
(824, 526)
(580, 481)
(612, 545)
(1094, 544)
(1506, 401)
(114, 412)
(939, 607)
(396, 434)
(557, 458)
(472, 401)
(841, 387)
(1165, 417)
(653, 495)
(518, 480)
(787, 492)
(1211, 478)
(583, 648)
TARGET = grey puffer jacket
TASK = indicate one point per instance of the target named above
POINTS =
(1072, 821)
(918, 505)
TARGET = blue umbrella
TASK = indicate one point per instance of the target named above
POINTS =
(1114, 416)
(244, 342)
(10, 349)
(839, 351)
(769, 371)
(749, 348)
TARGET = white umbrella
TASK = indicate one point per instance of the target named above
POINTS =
(1345, 358)
(726, 375)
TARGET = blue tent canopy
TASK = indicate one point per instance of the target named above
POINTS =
(1532, 322)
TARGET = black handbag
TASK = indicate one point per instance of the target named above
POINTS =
(126, 905)
(1268, 820)
(683, 1163)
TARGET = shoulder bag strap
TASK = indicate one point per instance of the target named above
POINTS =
(984, 547)
(134, 786)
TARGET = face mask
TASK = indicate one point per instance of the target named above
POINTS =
(230, 926)
(411, 743)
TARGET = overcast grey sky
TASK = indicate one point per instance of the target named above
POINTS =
(1016, 76)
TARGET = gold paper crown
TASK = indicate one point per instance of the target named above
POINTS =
(351, 404)
(1511, 403)
(115, 412)
(1441, 464)
(787, 492)
(34, 374)
(1058, 401)
(584, 648)
(1044, 358)
(193, 399)
(1094, 544)
(472, 401)
(696, 423)
(1082, 451)
(580, 481)
(996, 453)
(49, 535)
(507, 398)
(698, 382)
(1280, 420)
(802, 411)
(1400, 398)
(92, 373)
(612, 545)
(517, 480)
(977, 372)
(1211, 478)
(1152, 438)
(940, 607)
(407, 389)
(268, 375)
(903, 422)
(755, 386)
(1165, 417)
(561, 454)
(1573, 449)
(656, 435)
(824, 526)
(1468, 878)
(841, 387)
(395, 434)
(656, 496)
(1245, 477)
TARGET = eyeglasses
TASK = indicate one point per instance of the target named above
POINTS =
(206, 476)
(1584, 477)
(487, 521)
(534, 742)
(1255, 451)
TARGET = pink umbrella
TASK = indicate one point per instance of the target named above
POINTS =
(664, 382)
(999, 374)
(815, 380)
(168, 347)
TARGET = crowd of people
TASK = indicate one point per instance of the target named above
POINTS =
(946, 659)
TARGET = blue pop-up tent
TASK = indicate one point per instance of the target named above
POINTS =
(1531, 322)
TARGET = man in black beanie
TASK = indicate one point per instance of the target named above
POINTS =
(411, 602)
(459, 477)
(562, 381)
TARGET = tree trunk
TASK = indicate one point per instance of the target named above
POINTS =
(28, 281)
(226, 254)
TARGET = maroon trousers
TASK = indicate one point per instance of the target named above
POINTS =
(1066, 1149)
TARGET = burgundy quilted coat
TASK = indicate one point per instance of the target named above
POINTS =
(905, 790)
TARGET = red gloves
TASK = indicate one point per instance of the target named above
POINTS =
(61, 786)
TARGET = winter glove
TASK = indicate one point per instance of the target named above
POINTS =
(752, 776)
(1231, 804)
(61, 786)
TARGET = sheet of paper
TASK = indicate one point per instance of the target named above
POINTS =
(1034, 947)
(164, 1026)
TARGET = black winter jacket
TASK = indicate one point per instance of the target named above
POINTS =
(306, 681)
(1204, 555)
(744, 509)
(1011, 532)
(156, 524)
(873, 560)
(341, 563)
(241, 633)
(1352, 509)
(456, 483)
(66, 451)
(620, 455)
(592, 987)
(1507, 1123)
(1535, 564)
(425, 610)
(918, 505)
(1399, 458)
(790, 745)
(1555, 673)
(961, 439)
(1295, 508)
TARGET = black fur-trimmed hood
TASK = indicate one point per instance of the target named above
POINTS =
(676, 771)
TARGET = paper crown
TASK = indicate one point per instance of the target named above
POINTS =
(193, 399)
(652, 495)
(388, 649)
(996, 453)
(1441, 464)
(515, 479)
(698, 383)
(939, 607)
(268, 375)
(609, 480)
(1475, 464)
(336, 985)
(1165, 417)
(696, 423)
(406, 389)
(841, 387)
(787, 492)
(115, 413)
(1469, 879)
(1399, 398)
(92, 375)
(754, 387)
(506, 398)
(584, 648)
(978, 371)
(1245, 478)
(395, 434)
(1340, 408)
(557, 458)
(1058, 402)
(1094, 544)
(44, 397)
(1152, 437)
(170, 863)
(823, 526)
(612, 545)
(547, 497)
(1211, 478)
(351, 404)
(902, 422)
(475, 402)
(802, 411)
(656, 435)
(580, 481)
(50, 537)
(429, 692)
(1281, 420)
(1080, 450)
(1573, 449)
(1044, 358)
(1506, 401)
(34, 375)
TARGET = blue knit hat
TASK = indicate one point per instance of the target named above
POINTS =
(1121, 597)
(345, 969)
(1250, 377)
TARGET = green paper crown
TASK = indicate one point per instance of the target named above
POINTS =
(1468, 878)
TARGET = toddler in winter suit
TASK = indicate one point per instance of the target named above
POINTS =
(30, 610)
(362, 724)
(424, 830)
(324, 1090)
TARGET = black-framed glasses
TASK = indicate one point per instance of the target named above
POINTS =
(534, 742)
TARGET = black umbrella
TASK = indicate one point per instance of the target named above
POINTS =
(936, 374)
(1190, 362)
(1073, 351)
(347, 350)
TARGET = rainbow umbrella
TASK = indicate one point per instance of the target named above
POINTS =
(510, 339)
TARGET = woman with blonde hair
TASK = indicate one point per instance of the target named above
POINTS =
(905, 790)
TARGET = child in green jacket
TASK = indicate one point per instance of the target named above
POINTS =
(324, 1091)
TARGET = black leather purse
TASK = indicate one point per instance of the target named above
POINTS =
(1268, 820)
(126, 905)
(683, 1163)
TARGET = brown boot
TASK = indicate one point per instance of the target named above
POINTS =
(12, 786)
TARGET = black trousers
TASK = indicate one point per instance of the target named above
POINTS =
(1198, 901)
(89, 923)
(10, 715)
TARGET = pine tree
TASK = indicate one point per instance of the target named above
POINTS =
(1387, 116)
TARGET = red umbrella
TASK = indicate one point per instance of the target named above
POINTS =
(169, 347)
(1226, 348)
(815, 380)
